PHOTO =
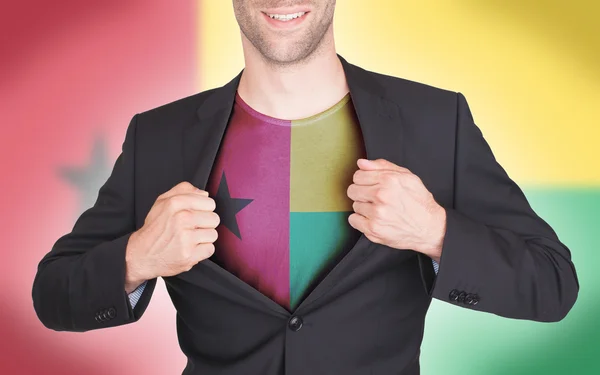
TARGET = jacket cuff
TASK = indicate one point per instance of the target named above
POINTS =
(97, 287)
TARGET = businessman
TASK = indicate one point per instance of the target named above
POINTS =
(304, 215)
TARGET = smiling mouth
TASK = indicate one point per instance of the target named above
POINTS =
(285, 20)
(285, 17)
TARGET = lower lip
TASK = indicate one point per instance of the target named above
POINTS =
(285, 24)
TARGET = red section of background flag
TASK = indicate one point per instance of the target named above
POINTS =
(70, 72)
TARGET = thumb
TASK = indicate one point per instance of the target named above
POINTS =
(379, 164)
(368, 164)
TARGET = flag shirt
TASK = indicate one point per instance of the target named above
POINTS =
(280, 192)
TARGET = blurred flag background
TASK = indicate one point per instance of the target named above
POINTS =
(72, 74)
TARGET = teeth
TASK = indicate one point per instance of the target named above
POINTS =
(286, 17)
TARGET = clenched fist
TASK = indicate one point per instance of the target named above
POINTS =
(393, 207)
(178, 232)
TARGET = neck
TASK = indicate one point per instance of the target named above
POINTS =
(293, 91)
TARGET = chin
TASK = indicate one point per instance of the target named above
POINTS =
(284, 57)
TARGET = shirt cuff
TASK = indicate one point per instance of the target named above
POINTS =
(134, 296)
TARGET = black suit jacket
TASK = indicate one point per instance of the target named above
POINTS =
(367, 315)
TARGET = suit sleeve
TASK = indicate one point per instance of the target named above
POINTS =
(80, 283)
(498, 255)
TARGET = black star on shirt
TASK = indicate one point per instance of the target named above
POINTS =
(227, 207)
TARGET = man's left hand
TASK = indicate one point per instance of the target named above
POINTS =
(393, 207)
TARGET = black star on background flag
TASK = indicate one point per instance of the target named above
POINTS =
(88, 180)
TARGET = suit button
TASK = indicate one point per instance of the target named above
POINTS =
(475, 299)
(453, 296)
(105, 315)
(295, 323)
(469, 299)
(461, 296)
(112, 312)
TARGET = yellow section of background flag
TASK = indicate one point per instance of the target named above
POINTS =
(528, 69)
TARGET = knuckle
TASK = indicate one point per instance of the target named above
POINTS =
(186, 238)
(411, 179)
(376, 230)
(379, 210)
(182, 217)
(380, 194)
(371, 228)
(388, 178)
(176, 203)
(183, 239)
(191, 255)
(414, 178)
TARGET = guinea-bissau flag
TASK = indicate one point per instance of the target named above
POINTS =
(75, 72)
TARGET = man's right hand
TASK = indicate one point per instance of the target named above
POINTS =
(178, 232)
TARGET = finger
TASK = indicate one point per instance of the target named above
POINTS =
(358, 222)
(183, 187)
(190, 201)
(380, 164)
(202, 251)
(361, 193)
(192, 219)
(366, 177)
(363, 208)
(203, 235)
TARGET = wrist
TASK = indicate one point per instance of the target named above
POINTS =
(134, 275)
(434, 249)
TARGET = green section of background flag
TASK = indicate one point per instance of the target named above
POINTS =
(461, 341)
(530, 72)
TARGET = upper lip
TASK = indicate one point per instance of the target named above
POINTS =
(285, 10)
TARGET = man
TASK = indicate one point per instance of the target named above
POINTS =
(303, 216)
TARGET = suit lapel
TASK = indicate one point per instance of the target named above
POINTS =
(381, 127)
